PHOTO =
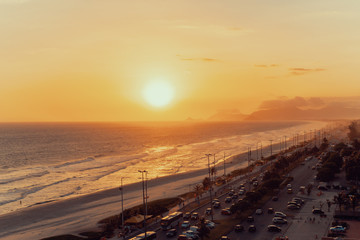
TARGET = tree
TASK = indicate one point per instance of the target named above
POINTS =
(206, 183)
(356, 144)
(354, 130)
(197, 189)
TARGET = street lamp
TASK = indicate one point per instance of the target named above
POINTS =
(208, 156)
(144, 196)
(121, 188)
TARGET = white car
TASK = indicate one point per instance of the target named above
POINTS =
(195, 229)
(185, 224)
(280, 214)
(210, 224)
(338, 229)
(191, 234)
(259, 211)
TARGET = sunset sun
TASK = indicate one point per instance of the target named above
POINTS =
(158, 94)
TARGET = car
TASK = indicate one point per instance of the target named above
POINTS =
(239, 228)
(280, 214)
(208, 211)
(270, 211)
(279, 220)
(187, 215)
(255, 183)
(185, 224)
(253, 179)
(250, 219)
(259, 211)
(242, 192)
(209, 224)
(190, 234)
(292, 207)
(195, 229)
(298, 200)
(289, 191)
(252, 228)
(217, 205)
(226, 211)
(294, 203)
(195, 216)
(171, 233)
(228, 199)
(234, 196)
(241, 185)
(288, 186)
(182, 237)
(317, 211)
(338, 229)
(275, 198)
(215, 200)
(273, 228)
(231, 193)
(224, 238)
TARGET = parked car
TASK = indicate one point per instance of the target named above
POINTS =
(259, 211)
(280, 214)
(289, 191)
(317, 211)
(294, 203)
(171, 233)
(338, 229)
(271, 210)
(298, 200)
(195, 216)
(226, 211)
(293, 207)
(252, 228)
(239, 228)
(273, 228)
(250, 219)
(279, 220)
(228, 199)
(185, 224)
(275, 198)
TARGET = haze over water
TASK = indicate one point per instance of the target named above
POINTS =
(46, 162)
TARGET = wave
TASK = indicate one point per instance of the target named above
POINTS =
(27, 176)
(88, 159)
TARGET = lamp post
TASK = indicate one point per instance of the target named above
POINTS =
(144, 197)
(211, 205)
(271, 146)
(122, 207)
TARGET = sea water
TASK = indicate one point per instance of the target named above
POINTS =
(42, 162)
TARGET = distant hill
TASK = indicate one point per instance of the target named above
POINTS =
(332, 111)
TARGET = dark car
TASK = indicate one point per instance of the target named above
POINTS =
(231, 193)
(228, 199)
(250, 219)
(182, 237)
(235, 196)
(298, 200)
(271, 210)
(252, 228)
(293, 207)
(216, 205)
(317, 211)
(187, 215)
(225, 211)
(275, 198)
(195, 216)
(239, 228)
(273, 228)
(172, 232)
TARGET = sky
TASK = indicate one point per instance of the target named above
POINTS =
(91, 60)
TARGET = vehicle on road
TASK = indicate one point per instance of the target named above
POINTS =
(239, 228)
(182, 237)
(259, 211)
(187, 215)
(289, 191)
(255, 183)
(210, 224)
(195, 229)
(231, 193)
(171, 220)
(190, 234)
(228, 199)
(250, 219)
(293, 206)
(270, 211)
(338, 229)
(273, 228)
(217, 205)
(298, 200)
(208, 211)
(171, 233)
(279, 220)
(234, 196)
(280, 214)
(226, 211)
(275, 198)
(288, 186)
(195, 216)
(185, 224)
(317, 211)
(242, 192)
(149, 235)
(252, 228)
(224, 238)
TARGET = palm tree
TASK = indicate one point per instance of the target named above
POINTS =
(197, 189)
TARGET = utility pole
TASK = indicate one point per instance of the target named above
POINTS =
(257, 151)
(285, 142)
(214, 172)
(224, 165)
(271, 146)
(261, 155)
(211, 204)
(144, 198)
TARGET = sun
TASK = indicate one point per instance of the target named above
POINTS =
(158, 93)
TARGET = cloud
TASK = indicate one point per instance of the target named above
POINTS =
(198, 59)
(300, 102)
(266, 66)
(301, 71)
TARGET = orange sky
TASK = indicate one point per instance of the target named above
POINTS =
(89, 60)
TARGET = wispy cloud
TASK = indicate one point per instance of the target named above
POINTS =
(266, 66)
(301, 71)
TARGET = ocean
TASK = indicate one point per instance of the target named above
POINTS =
(42, 162)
